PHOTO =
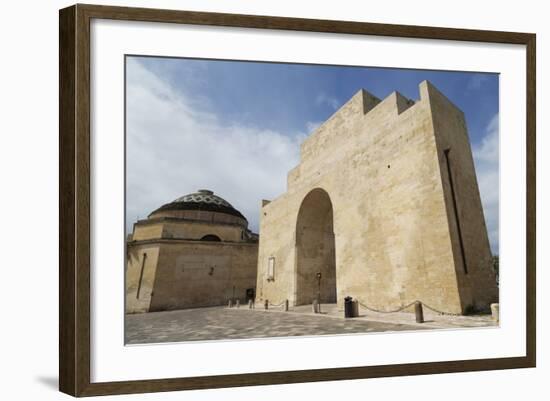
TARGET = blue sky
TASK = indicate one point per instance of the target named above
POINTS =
(241, 124)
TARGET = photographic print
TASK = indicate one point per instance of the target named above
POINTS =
(281, 200)
(255, 185)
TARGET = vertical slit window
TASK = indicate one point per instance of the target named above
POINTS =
(455, 208)
(141, 274)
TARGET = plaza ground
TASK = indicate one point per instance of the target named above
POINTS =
(222, 323)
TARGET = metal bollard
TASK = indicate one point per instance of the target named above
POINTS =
(315, 306)
(250, 304)
(418, 312)
(355, 308)
(230, 304)
(238, 303)
(495, 312)
(286, 305)
(266, 304)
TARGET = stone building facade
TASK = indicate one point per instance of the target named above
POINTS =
(385, 205)
(196, 251)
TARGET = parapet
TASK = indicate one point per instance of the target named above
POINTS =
(362, 110)
(341, 124)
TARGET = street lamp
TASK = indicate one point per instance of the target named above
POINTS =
(319, 290)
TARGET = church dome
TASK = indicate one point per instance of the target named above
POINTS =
(203, 200)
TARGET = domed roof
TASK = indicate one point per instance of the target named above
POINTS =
(204, 196)
(203, 199)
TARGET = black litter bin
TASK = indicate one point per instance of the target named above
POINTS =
(348, 307)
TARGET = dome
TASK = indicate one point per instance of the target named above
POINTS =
(202, 200)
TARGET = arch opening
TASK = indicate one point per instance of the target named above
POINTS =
(315, 251)
(211, 237)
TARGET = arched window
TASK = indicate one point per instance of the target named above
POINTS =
(211, 237)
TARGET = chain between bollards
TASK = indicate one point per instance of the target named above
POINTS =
(284, 304)
(408, 306)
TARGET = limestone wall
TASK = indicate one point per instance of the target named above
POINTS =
(475, 274)
(147, 231)
(196, 230)
(379, 163)
(141, 270)
(187, 274)
(185, 229)
(194, 274)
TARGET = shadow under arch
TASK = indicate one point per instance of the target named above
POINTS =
(211, 237)
(315, 251)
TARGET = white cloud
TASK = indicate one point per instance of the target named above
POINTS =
(176, 146)
(476, 81)
(486, 158)
(323, 98)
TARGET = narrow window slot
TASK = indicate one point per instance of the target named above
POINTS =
(141, 274)
(453, 195)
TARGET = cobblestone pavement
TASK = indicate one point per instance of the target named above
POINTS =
(431, 320)
(221, 323)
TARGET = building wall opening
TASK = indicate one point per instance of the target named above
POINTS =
(211, 237)
(315, 250)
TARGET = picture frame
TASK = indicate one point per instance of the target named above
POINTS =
(75, 199)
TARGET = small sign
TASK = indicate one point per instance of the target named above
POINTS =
(271, 269)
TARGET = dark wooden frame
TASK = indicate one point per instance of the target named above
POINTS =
(74, 199)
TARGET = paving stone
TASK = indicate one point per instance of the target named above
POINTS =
(222, 323)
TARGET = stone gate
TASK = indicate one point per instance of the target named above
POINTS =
(385, 205)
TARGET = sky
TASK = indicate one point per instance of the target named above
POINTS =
(236, 127)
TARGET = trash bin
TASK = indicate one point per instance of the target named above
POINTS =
(348, 307)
